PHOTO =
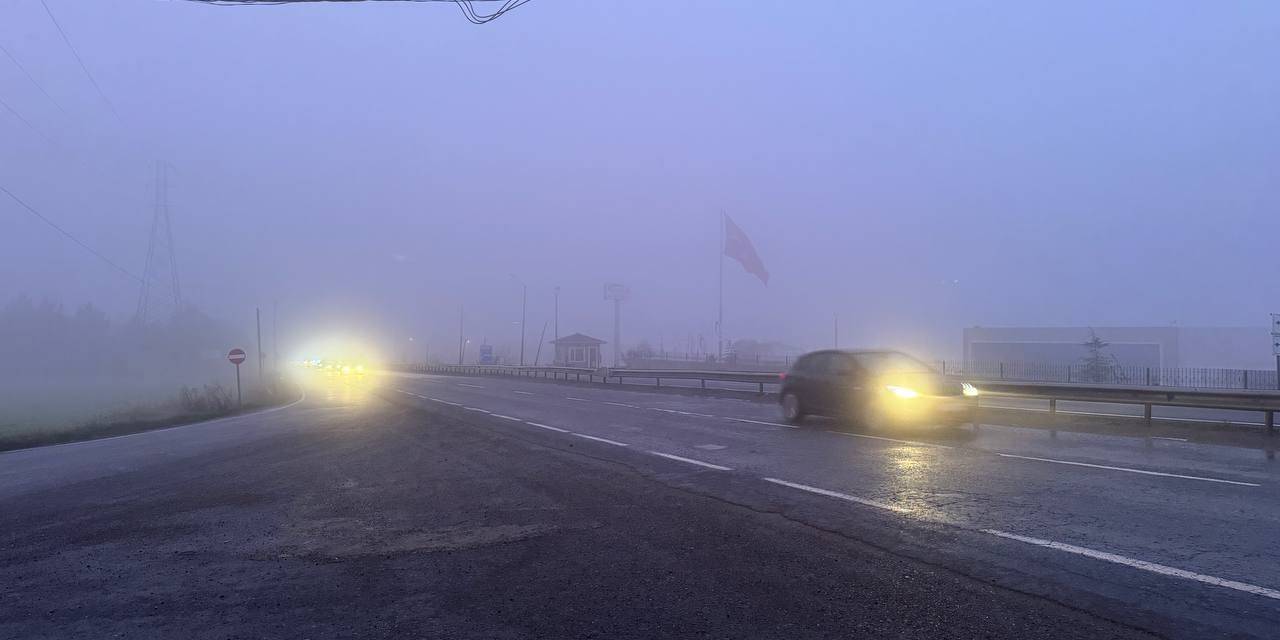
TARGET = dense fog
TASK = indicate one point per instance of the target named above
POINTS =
(387, 178)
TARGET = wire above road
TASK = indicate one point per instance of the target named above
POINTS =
(80, 60)
(71, 237)
(467, 6)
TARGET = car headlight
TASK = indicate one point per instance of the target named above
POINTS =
(968, 389)
(902, 392)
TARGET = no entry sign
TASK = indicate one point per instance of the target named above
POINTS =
(236, 356)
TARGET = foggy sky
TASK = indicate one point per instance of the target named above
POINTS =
(913, 167)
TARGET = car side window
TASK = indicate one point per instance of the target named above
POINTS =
(840, 365)
(811, 363)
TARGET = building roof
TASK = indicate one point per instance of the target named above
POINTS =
(578, 339)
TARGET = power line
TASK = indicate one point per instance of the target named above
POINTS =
(23, 120)
(466, 6)
(80, 60)
(26, 73)
(66, 233)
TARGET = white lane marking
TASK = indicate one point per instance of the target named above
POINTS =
(477, 409)
(85, 443)
(772, 424)
(547, 427)
(911, 442)
(1128, 470)
(473, 386)
(576, 399)
(523, 393)
(621, 404)
(604, 440)
(842, 496)
(445, 401)
(1168, 438)
(691, 461)
(499, 415)
(1140, 564)
(710, 447)
(683, 413)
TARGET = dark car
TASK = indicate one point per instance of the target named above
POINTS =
(877, 388)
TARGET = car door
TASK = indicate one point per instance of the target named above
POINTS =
(842, 384)
(802, 380)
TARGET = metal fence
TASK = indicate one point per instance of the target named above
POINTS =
(1180, 377)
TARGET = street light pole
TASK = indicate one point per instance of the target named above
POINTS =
(524, 298)
(556, 330)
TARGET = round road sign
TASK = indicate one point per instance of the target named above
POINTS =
(236, 356)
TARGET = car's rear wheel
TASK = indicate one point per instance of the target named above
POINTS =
(792, 412)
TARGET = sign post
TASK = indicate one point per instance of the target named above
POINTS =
(236, 356)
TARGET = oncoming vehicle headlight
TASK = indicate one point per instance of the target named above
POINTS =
(968, 389)
(902, 392)
(346, 369)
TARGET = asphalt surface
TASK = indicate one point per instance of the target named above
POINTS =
(434, 507)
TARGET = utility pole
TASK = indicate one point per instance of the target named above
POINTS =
(257, 311)
(524, 298)
(275, 338)
(720, 295)
(617, 293)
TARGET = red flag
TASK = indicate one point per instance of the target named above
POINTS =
(738, 246)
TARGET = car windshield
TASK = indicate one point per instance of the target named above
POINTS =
(881, 362)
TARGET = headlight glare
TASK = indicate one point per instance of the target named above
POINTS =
(902, 392)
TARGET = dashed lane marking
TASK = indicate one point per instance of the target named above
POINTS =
(477, 410)
(1129, 470)
(522, 393)
(771, 424)
(842, 496)
(691, 461)
(882, 438)
(576, 399)
(1140, 564)
(473, 386)
(597, 439)
(546, 426)
(513, 419)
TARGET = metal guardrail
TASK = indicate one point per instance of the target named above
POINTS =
(1266, 402)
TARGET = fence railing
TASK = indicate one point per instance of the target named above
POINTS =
(1177, 377)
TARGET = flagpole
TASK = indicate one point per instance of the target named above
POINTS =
(720, 296)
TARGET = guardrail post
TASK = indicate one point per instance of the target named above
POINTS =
(1271, 423)
(1246, 378)
(1002, 371)
(761, 388)
(1053, 418)
(1146, 414)
(659, 382)
(1148, 376)
(704, 383)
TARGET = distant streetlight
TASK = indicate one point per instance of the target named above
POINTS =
(524, 297)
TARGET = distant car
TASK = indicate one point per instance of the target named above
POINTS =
(877, 389)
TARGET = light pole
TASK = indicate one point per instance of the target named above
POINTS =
(524, 297)
(556, 330)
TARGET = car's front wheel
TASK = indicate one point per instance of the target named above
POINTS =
(792, 412)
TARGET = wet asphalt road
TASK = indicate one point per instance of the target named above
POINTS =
(493, 508)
